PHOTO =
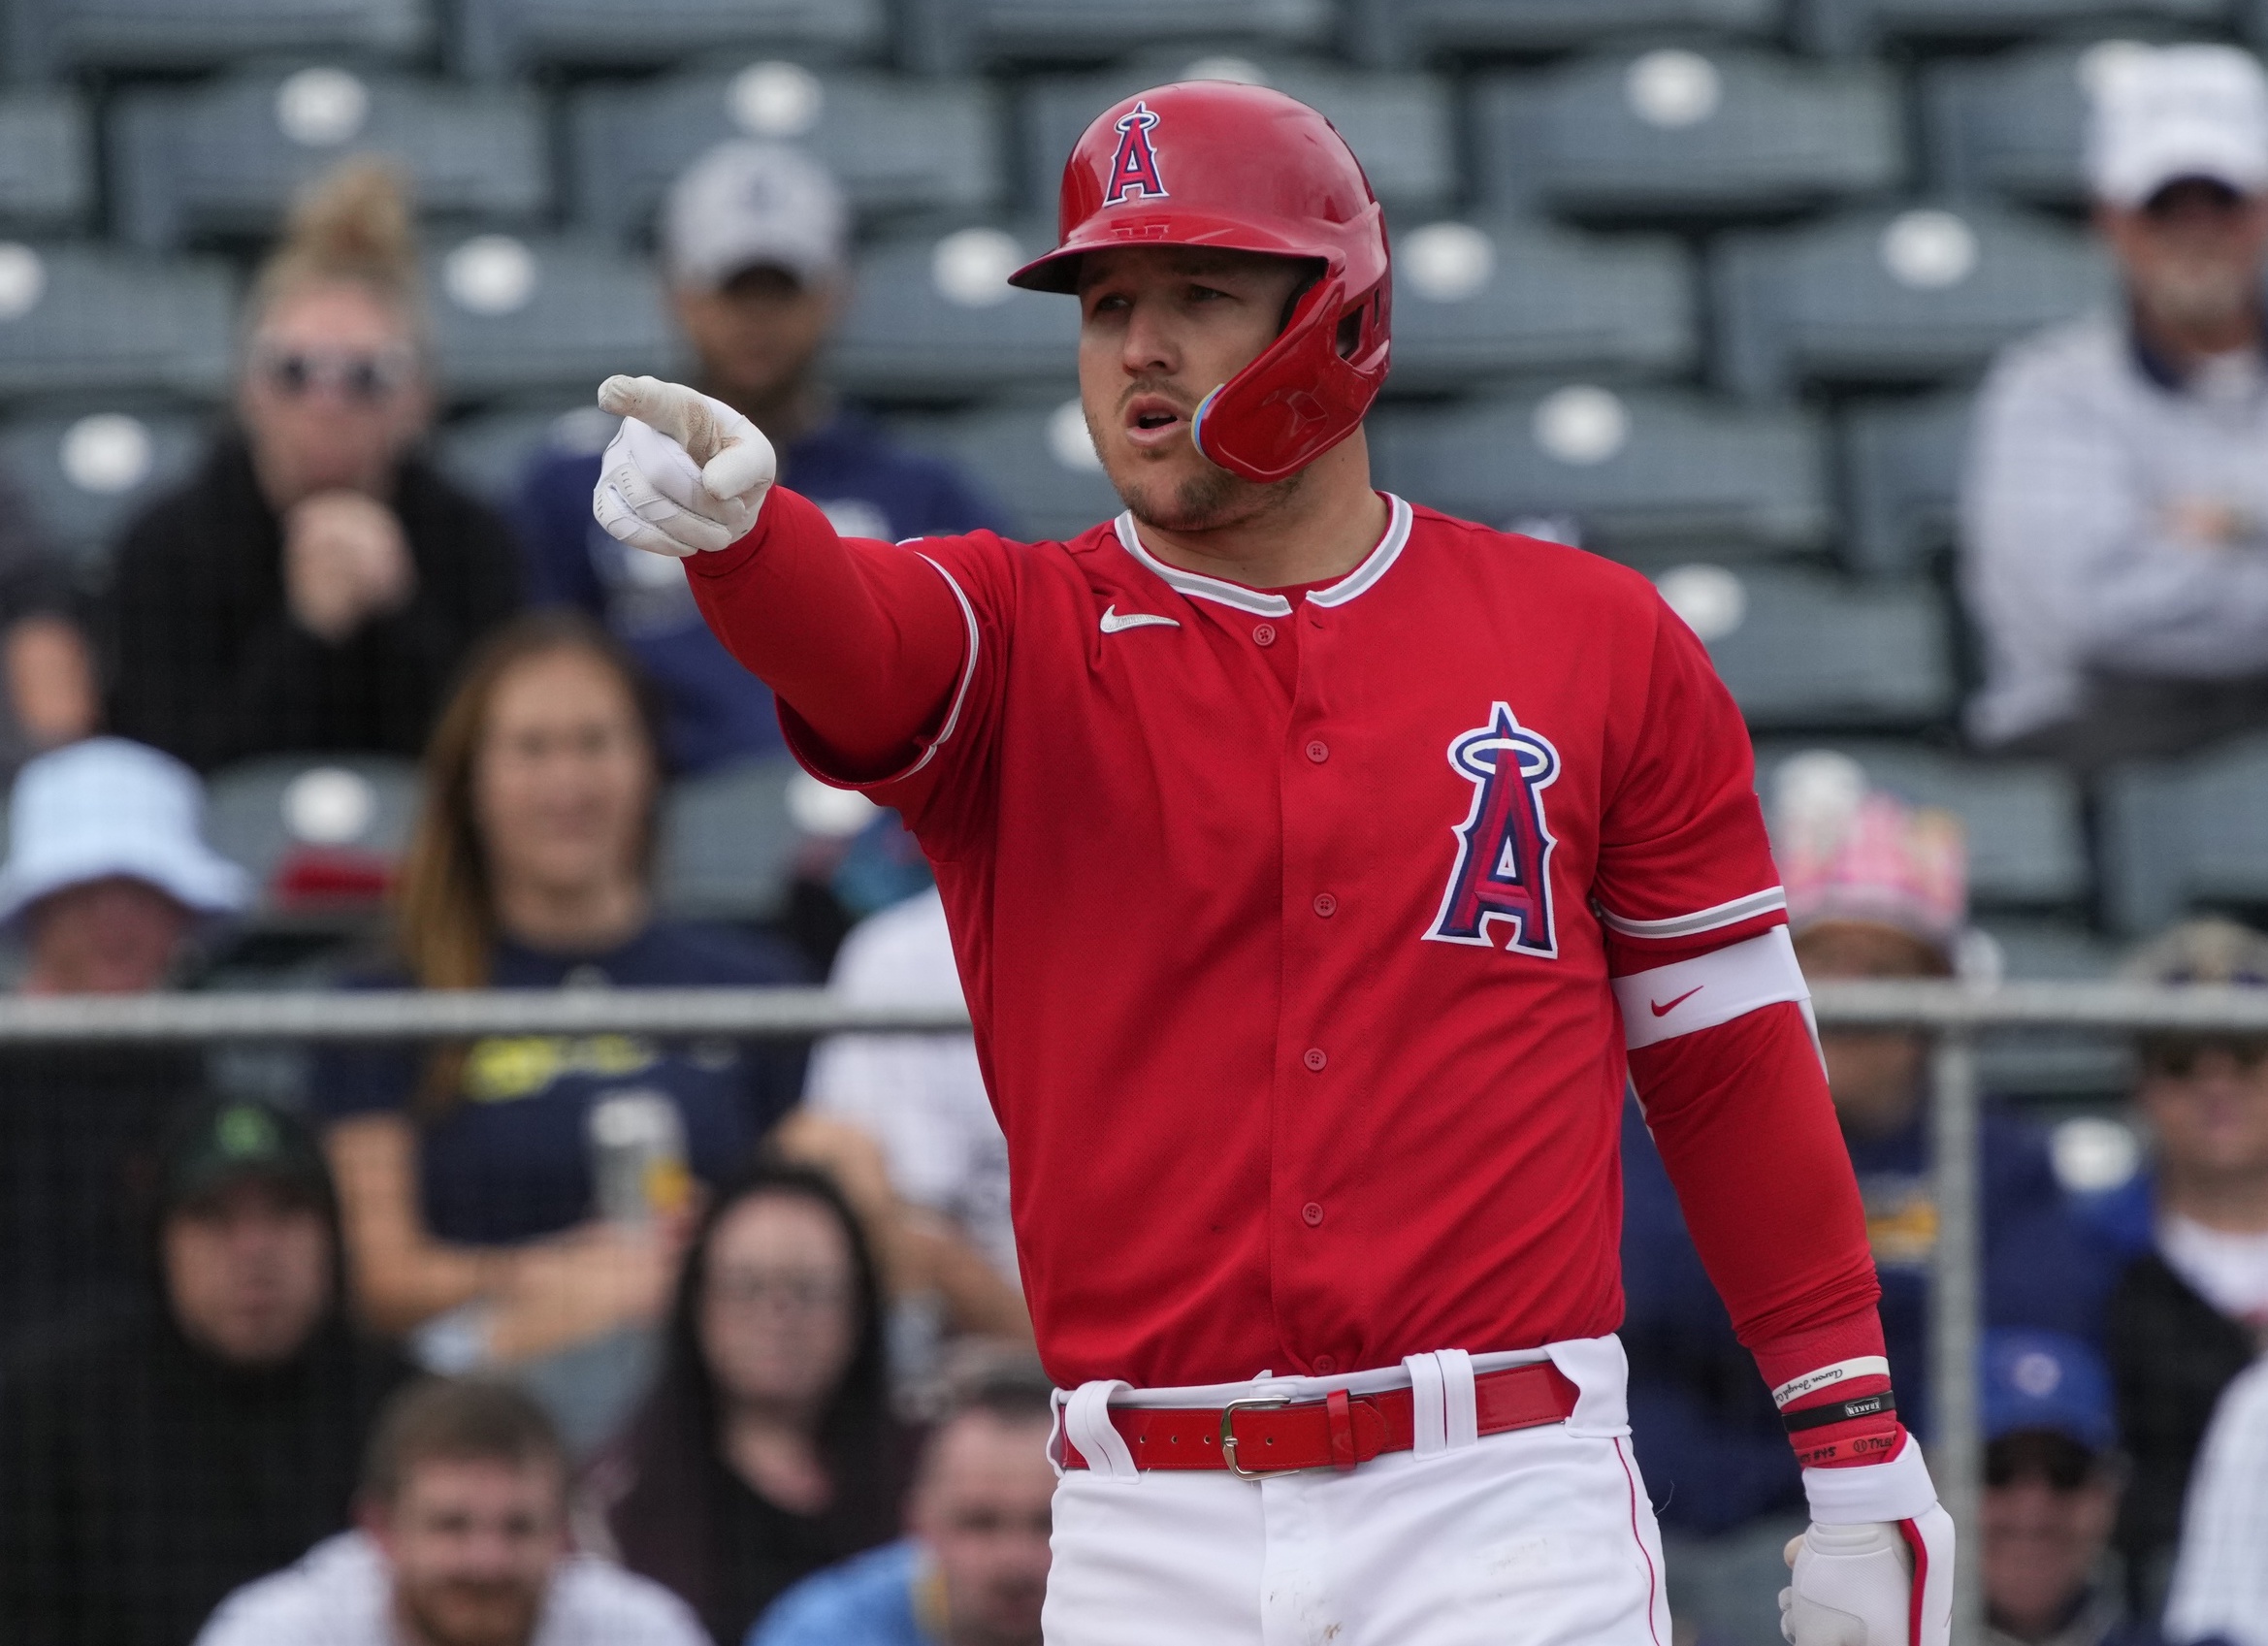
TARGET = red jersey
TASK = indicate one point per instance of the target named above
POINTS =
(1291, 924)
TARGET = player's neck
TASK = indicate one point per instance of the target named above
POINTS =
(1315, 532)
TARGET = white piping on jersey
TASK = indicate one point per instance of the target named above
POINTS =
(1708, 990)
(1255, 601)
(1703, 920)
(969, 673)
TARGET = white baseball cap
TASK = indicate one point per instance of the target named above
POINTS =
(743, 204)
(2162, 113)
(106, 807)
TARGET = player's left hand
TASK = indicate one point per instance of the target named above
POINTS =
(1859, 1586)
(683, 474)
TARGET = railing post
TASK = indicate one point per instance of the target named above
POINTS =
(1956, 1313)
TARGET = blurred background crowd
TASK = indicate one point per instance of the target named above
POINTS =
(1915, 347)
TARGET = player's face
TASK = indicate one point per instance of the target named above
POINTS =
(985, 1509)
(472, 1543)
(1161, 328)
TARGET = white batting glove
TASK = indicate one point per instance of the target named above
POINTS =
(1856, 1585)
(685, 474)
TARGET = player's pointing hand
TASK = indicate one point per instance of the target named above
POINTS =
(685, 473)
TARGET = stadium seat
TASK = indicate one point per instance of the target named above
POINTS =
(85, 477)
(1031, 453)
(487, 453)
(1676, 132)
(305, 823)
(81, 319)
(1400, 125)
(2026, 846)
(225, 157)
(728, 841)
(1411, 31)
(1802, 651)
(957, 34)
(518, 316)
(46, 161)
(2013, 124)
(1851, 26)
(1911, 295)
(2177, 834)
(1901, 479)
(1478, 301)
(49, 39)
(932, 317)
(497, 38)
(898, 144)
(1637, 473)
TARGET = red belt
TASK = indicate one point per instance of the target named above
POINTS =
(1274, 1435)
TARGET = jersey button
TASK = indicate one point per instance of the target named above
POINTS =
(1326, 905)
(1264, 634)
(1325, 1364)
(1313, 1058)
(1312, 1213)
(1318, 751)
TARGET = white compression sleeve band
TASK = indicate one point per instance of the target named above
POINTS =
(1826, 1377)
(1710, 988)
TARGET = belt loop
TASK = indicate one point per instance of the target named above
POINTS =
(1428, 1404)
(1088, 1426)
(1461, 1408)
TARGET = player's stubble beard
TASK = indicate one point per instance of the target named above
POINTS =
(1210, 500)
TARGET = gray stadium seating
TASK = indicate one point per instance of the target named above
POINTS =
(487, 453)
(260, 811)
(1408, 31)
(965, 33)
(1808, 652)
(85, 477)
(1685, 133)
(226, 157)
(1399, 125)
(46, 161)
(2014, 123)
(1901, 480)
(728, 841)
(1639, 472)
(2027, 847)
(1844, 27)
(51, 38)
(896, 143)
(2183, 833)
(1478, 301)
(1031, 453)
(518, 316)
(81, 319)
(931, 316)
(495, 37)
(1899, 296)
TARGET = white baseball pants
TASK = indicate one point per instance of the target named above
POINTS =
(1540, 1536)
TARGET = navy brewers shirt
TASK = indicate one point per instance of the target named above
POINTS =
(717, 710)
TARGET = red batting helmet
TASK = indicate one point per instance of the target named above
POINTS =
(1241, 167)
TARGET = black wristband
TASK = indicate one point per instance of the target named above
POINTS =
(1839, 1411)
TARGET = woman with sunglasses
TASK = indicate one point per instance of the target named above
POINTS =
(315, 584)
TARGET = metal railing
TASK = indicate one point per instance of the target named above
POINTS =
(1953, 1014)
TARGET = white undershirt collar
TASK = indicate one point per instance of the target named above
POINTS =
(1259, 602)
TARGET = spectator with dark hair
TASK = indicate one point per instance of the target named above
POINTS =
(755, 245)
(2191, 1311)
(766, 1447)
(974, 1570)
(2117, 500)
(462, 1542)
(160, 1456)
(474, 1208)
(106, 881)
(315, 586)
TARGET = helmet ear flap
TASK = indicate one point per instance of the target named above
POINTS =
(1302, 396)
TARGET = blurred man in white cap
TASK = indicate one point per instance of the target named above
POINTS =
(756, 242)
(2115, 521)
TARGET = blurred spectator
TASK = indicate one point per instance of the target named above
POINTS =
(47, 669)
(975, 1570)
(756, 242)
(106, 880)
(1875, 890)
(2190, 1313)
(163, 1455)
(315, 586)
(2117, 509)
(473, 1199)
(767, 1448)
(2221, 1583)
(463, 1541)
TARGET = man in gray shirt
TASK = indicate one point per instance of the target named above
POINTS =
(2116, 511)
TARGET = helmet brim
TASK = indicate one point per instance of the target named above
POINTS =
(1058, 270)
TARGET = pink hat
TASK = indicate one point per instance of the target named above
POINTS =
(1847, 852)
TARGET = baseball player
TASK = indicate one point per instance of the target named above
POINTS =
(1318, 868)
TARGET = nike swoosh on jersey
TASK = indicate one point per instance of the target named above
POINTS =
(1662, 1010)
(1113, 623)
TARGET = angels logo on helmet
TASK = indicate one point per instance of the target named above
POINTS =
(1134, 168)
